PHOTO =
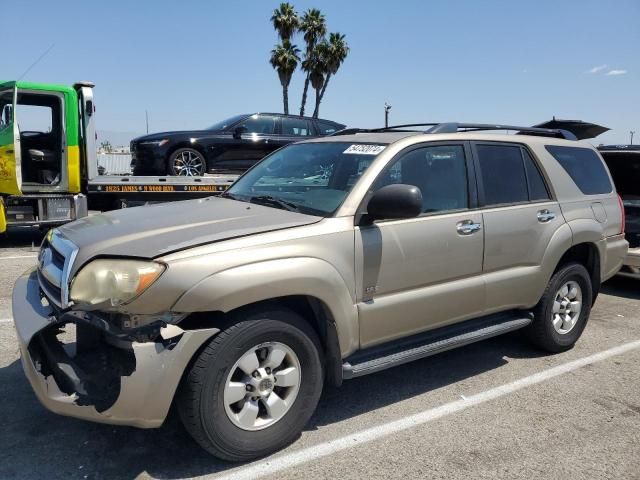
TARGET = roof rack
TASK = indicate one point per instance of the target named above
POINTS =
(454, 127)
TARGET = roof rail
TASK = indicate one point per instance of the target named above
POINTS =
(454, 127)
(475, 127)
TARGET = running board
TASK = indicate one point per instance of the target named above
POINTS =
(406, 350)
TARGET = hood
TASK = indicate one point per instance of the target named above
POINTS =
(175, 133)
(152, 231)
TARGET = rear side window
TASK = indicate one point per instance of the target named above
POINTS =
(585, 168)
(537, 188)
(298, 127)
(503, 174)
(326, 128)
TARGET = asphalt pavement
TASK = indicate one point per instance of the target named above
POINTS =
(496, 409)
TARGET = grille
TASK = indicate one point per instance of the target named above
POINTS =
(54, 264)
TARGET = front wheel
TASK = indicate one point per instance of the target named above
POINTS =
(187, 162)
(563, 311)
(254, 387)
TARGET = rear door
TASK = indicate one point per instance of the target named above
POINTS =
(520, 217)
(10, 168)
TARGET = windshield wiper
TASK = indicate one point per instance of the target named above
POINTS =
(270, 201)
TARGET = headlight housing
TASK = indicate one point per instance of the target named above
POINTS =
(114, 281)
(157, 143)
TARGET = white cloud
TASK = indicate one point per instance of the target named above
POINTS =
(597, 69)
(616, 72)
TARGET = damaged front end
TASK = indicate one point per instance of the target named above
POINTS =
(98, 366)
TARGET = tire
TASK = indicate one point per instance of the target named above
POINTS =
(201, 400)
(563, 336)
(186, 162)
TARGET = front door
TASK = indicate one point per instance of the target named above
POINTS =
(421, 273)
(258, 139)
(10, 167)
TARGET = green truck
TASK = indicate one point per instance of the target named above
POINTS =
(48, 163)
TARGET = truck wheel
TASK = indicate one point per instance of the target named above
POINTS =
(253, 388)
(187, 162)
(563, 311)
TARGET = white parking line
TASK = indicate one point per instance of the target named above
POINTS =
(285, 461)
(18, 256)
(6, 320)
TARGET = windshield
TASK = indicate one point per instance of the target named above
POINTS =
(311, 178)
(224, 124)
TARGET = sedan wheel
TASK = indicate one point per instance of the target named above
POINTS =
(186, 162)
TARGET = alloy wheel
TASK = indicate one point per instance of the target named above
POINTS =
(188, 164)
(567, 307)
(262, 386)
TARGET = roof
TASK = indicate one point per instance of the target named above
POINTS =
(385, 138)
(295, 116)
(390, 136)
(51, 87)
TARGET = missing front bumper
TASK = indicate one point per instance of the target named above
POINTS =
(98, 376)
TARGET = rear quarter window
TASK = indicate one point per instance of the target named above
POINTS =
(584, 167)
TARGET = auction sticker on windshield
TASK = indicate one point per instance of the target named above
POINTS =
(361, 149)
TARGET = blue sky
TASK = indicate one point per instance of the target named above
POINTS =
(191, 63)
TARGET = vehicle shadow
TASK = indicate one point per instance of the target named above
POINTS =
(38, 444)
(622, 287)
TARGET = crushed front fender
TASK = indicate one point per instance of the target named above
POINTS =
(113, 380)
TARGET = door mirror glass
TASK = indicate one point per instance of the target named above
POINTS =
(395, 202)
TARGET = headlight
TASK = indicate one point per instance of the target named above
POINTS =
(114, 281)
(157, 143)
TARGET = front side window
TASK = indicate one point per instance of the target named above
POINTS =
(6, 108)
(260, 124)
(298, 127)
(440, 172)
(311, 178)
(585, 168)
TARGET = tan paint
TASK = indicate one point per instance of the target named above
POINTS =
(380, 282)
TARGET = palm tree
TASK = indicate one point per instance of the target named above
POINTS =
(285, 58)
(336, 53)
(319, 69)
(314, 26)
(285, 21)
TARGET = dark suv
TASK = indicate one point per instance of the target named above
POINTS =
(233, 145)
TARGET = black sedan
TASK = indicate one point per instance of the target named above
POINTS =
(230, 146)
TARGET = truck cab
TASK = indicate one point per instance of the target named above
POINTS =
(49, 171)
(41, 174)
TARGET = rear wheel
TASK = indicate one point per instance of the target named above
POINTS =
(187, 162)
(254, 387)
(563, 311)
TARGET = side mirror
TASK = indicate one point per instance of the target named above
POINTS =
(238, 131)
(395, 202)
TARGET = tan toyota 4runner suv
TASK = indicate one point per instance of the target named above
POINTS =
(330, 259)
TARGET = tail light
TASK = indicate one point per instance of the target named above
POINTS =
(623, 215)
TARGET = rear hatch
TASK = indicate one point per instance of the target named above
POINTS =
(624, 165)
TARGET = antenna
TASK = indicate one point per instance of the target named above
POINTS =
(146, 115)
(37, 61)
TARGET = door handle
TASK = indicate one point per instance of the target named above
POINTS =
(545, 216)
(467, 227)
